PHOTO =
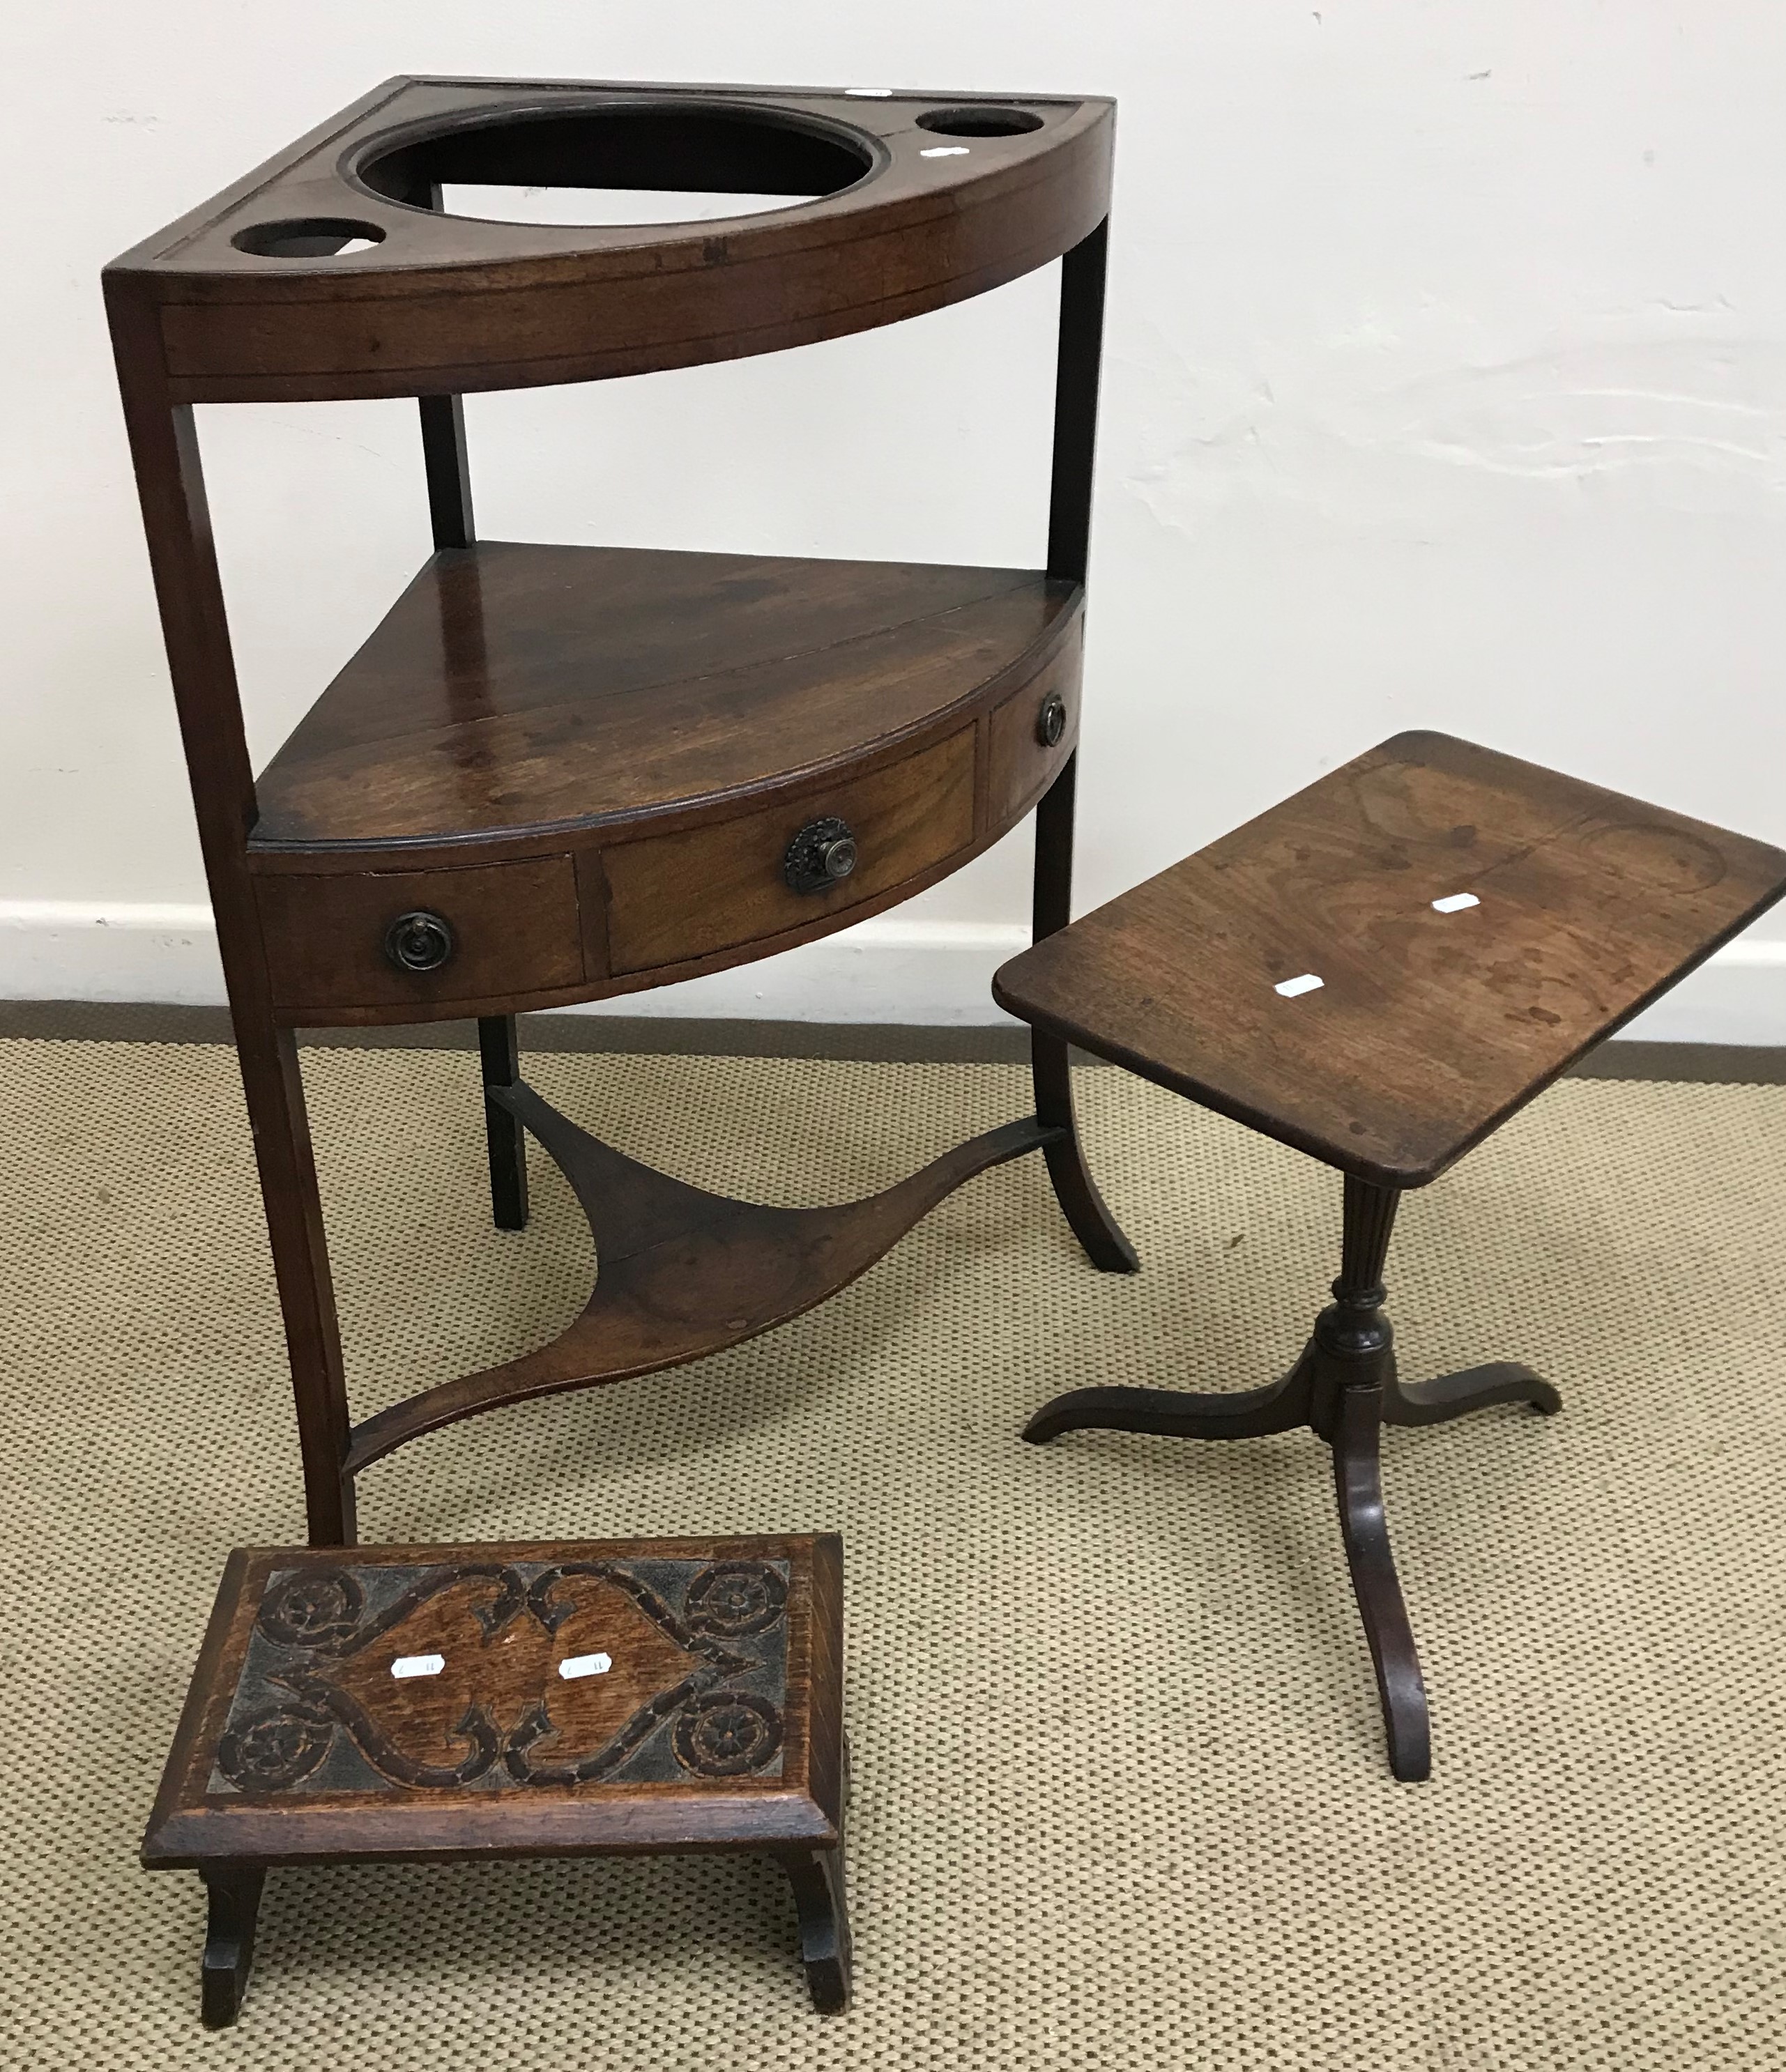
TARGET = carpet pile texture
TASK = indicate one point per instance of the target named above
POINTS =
(1121, 1799)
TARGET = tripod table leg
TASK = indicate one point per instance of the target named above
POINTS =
(1358, 1485)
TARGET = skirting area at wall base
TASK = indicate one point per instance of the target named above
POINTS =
(887, 1042)
(848, 996)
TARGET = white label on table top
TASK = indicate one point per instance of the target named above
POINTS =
(418, 1665)
(1456, 903)
(574, 1665)
(945, 151)
(1292, 987)
(869, 92)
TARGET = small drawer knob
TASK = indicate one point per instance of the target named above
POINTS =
(1051, 721)
(821, 854)
(419, 941)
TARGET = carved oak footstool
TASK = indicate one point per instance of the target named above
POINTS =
(563, 1698)
(1380, 972)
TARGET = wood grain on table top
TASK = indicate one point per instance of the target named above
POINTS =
(1428, 1029)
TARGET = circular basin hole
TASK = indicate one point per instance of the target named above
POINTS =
(980, 121)
(308, 237)
(694, 160)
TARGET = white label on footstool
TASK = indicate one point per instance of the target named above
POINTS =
(1456, 903)
(418, 1665)
(584, 1665)
(1291, 986)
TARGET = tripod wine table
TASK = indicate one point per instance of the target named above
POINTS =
(1380, 972)
(557, 774)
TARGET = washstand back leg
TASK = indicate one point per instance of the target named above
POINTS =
(499, 1054)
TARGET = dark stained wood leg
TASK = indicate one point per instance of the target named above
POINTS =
(1344, 1387)
(1248, 1413)
(1358, 1485)
(817, 1876)
(1449, 1395)
(1078, 357)
(500, 1056)
(1100, 1235)
(1354, 1354)
(170, 482)
(275, 1089)
(1092, 1224)
(443, 457)
(449, 478)
(235, 1905)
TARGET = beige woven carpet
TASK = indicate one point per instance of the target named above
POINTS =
(1121, 1792)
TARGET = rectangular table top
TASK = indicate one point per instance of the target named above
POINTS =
(517, 1700)
(1382, 968)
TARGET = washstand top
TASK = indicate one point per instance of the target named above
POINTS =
(331, 270)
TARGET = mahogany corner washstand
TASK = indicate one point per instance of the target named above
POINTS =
(568, 1698)
(1380, 972)
(556, 774)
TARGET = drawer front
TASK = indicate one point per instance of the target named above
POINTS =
(506, 928)
(1021, 762)
(673, 899)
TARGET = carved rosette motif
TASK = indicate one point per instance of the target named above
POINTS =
(313, 1609)
(726, 1733)
(499, 1675)
(736, 1597)
(271, 1749)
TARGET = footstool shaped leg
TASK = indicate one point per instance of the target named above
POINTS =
(235, 1907)
(816, 1877)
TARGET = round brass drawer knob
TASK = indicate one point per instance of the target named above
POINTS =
(820, 855)
(1051, 721)
(419, 941)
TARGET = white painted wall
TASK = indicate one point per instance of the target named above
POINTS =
(1446, 386)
